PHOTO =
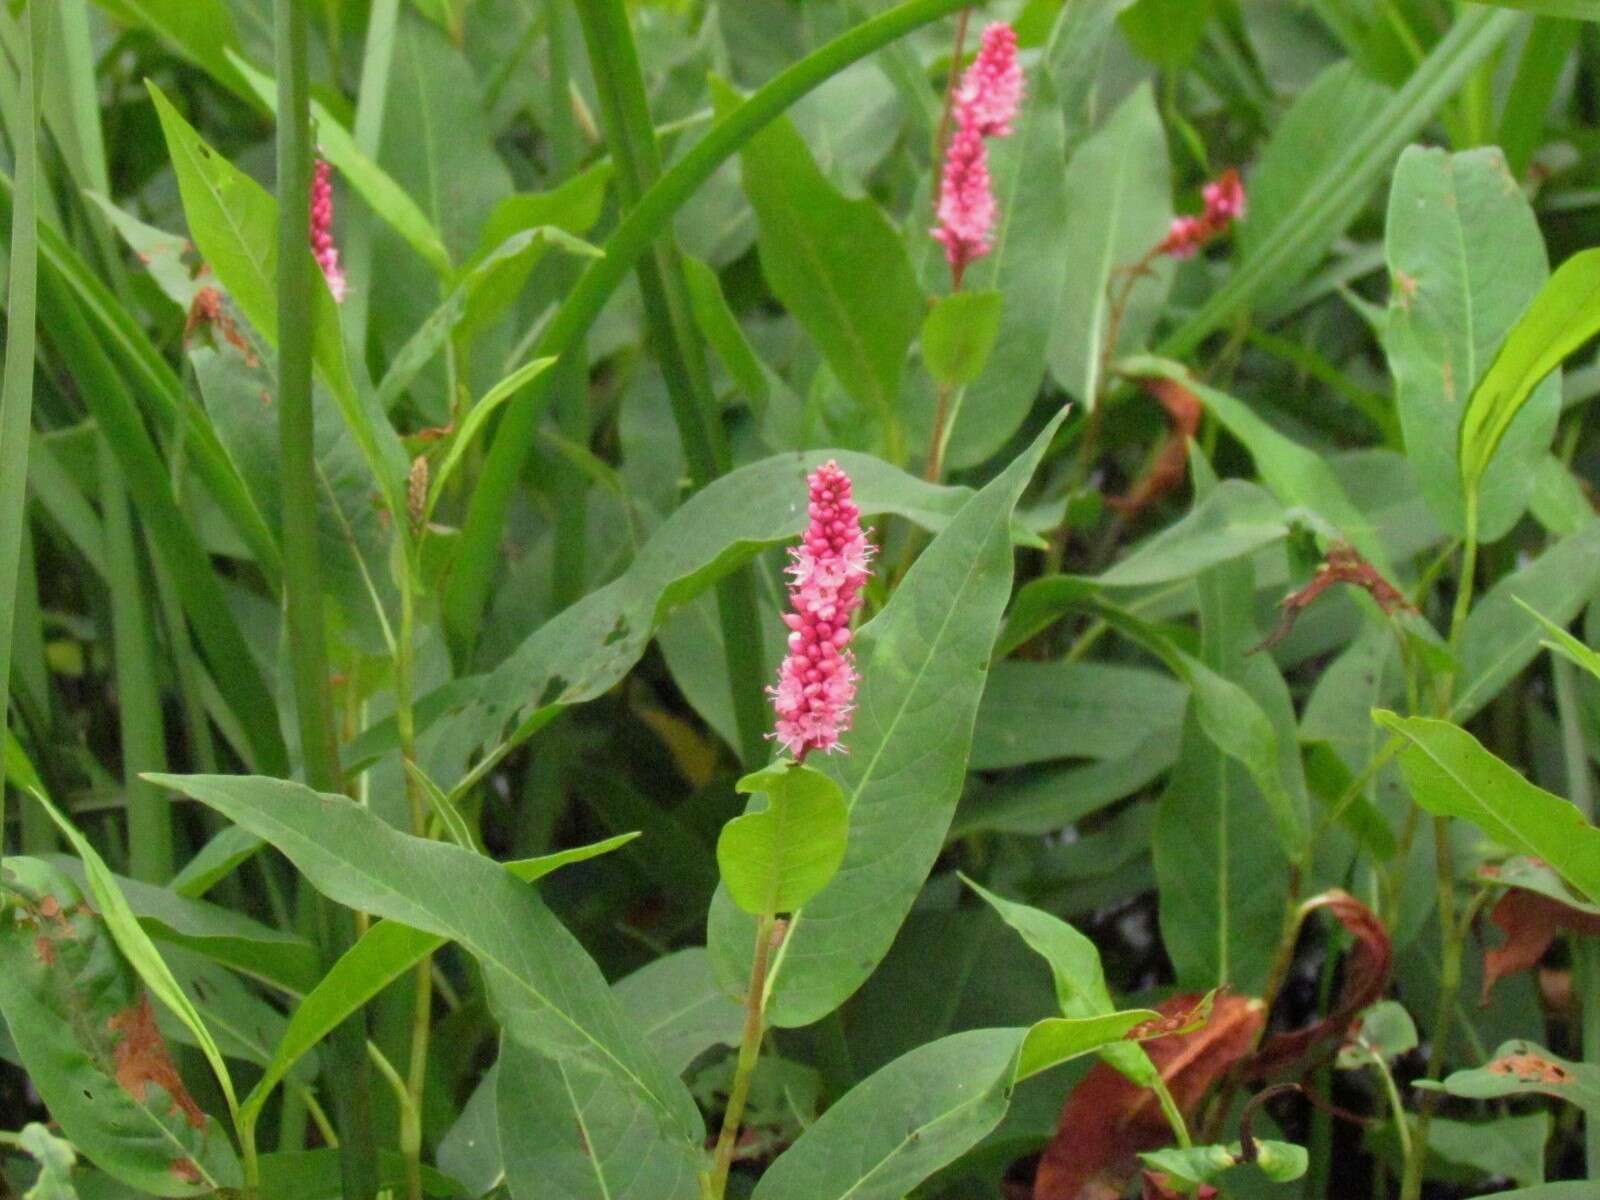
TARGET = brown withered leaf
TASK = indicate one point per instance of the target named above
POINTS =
(141, 1060)
(1530, 922)
(1342, 565)
(1170, 466)
(1366, 974)
(1108, 1119)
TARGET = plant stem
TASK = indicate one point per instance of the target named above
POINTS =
(755, 1005)
(347, 1077)
(422, 1002)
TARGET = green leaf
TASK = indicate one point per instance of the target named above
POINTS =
(1117, 209)
(1325, 204)
(137, 947)
(1524, 1068)
(1451, 774)
(1281, 1162)
(1028, 265)
(835, 263)
(1298, 476)
(59, 1004)
(56, 1159)
(1498, 640)
(1564, 643)
(282, 959)
(1035, 711)
(543, 988)
(1587, 10)
(1383, 1033)
(946, 1096)
(1166, 32)
(201, 30)
(1511, 1144)
(1465, 258)
(1564, 315)
(233, 221)
(776, 858)
(677, 1002)
(383, 195)
(568, 1132)
(531, 870)
(477, 418)
(922, 663)
(958, 334)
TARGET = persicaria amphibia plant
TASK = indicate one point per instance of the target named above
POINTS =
(817, 681)
(1225, 204)
(322, 245)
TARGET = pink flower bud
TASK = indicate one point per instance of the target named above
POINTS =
(322, 247)
(991, 90)
(966, 201)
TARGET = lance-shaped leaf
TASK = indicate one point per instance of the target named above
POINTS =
(1451, 774)
(922, 663)
(776, 858)
(1465, 258)
(1563, 316)
(543, 988)
(86, 1035)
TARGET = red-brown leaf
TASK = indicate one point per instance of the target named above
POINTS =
(1107, 1119)
(1171, 464)
(1530, 922)
(142, 1059)
(1366, 974)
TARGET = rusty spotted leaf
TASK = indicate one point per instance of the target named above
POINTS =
(1366, 974)
(1108, 1119)
(141, 1057)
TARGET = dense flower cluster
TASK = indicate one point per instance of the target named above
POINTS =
(322, 247)
(1225, 204)
(984, 105)
(817, 682)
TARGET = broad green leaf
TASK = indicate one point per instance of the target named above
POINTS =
(835, 263)
(282, 959)
(774, 859)
(1465, 258)
(1281, 1162)
(1382, 1033)
(470, 1151)
(531, 870)
(1035, 711)
(136, 946)
(1499, 640)
(1043, 802)
(680, 1007)
(314, 1175)
(1511, 1144)
(946, 1096)
(1563, 316)
(922, 663)
(215, 861)
(1029, 265)
(1166, 32)
(958, 335)
(1451, 774)
(233, 221)
(1056, 1040)
(383, 195)
(585, 650)
(1524, 1068)
(1117, 209)
(569, 1131)
(543, 988)
(726, 336)
(1299, 477)
(383, 954)
(60, 1004)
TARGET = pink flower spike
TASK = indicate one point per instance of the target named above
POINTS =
(966, 201)
(322, 247)
(817, 682)
(1185, 237)
(991, 90)
(1225, 200)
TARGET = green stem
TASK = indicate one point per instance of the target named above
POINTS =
(755, 1004)
(625, 113)
(479, 553)
(1586, 958)
(422, 999)
(347, 1077)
